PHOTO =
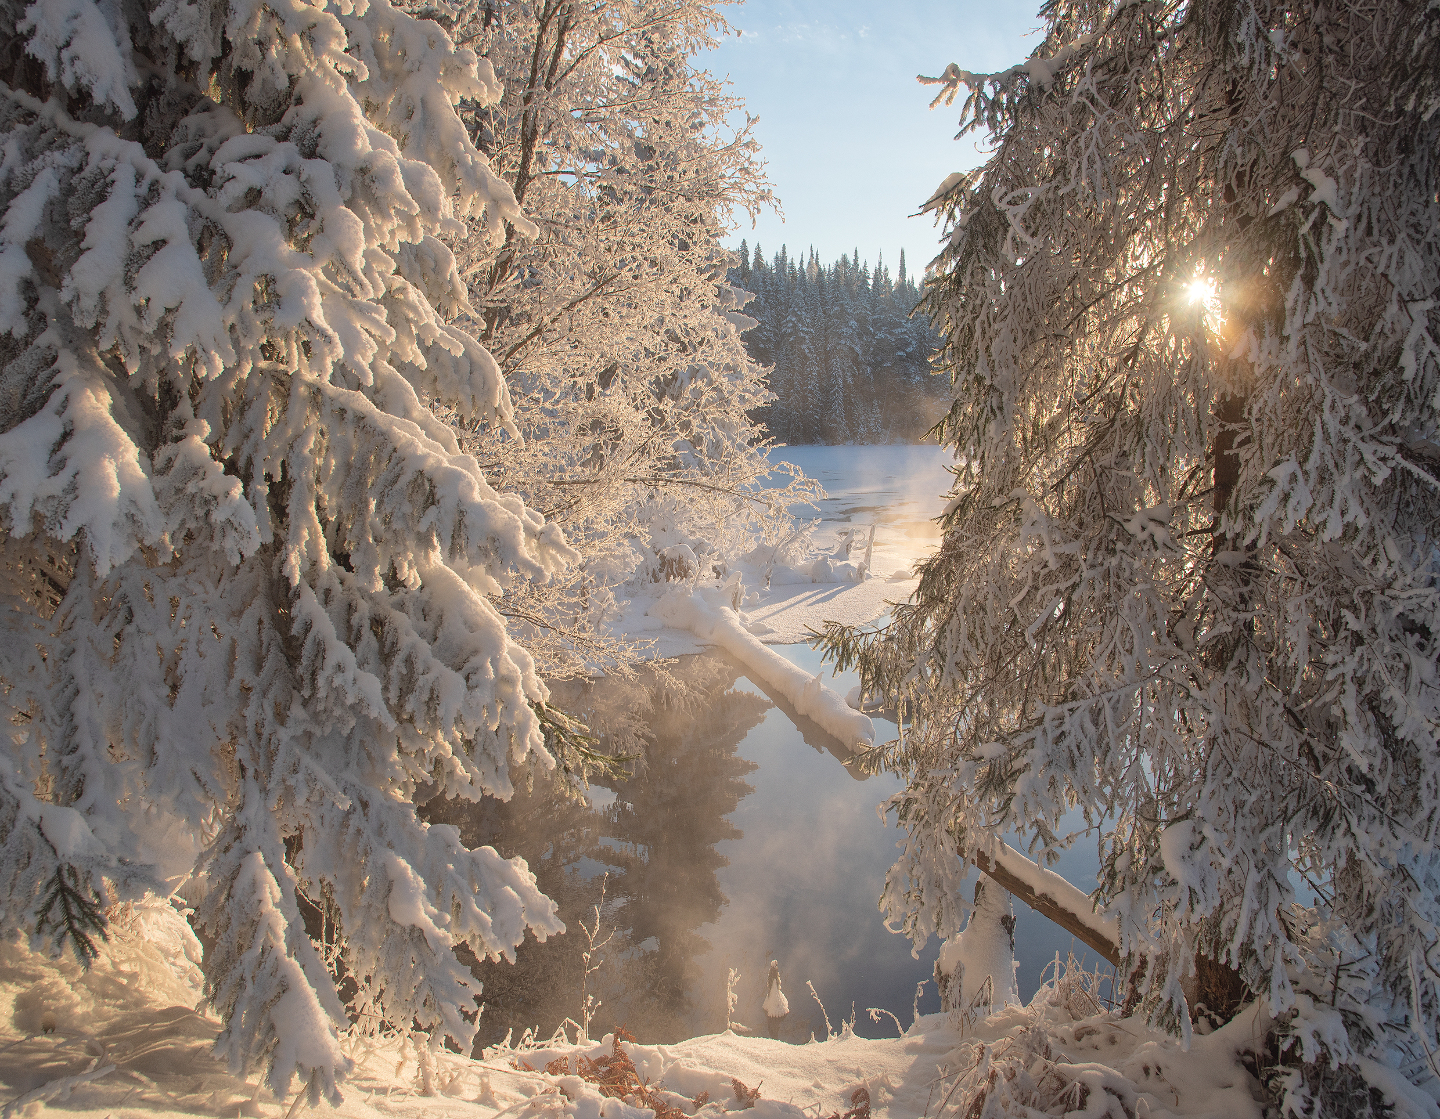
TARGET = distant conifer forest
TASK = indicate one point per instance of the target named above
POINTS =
(849, 362)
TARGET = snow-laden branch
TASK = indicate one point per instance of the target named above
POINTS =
(1193, 329)
(228, 327)
(1040, 71)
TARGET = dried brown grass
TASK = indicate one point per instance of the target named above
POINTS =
(616, 1077)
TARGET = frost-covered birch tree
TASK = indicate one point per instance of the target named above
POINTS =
(249, 571)
(1189, 578)
(616, 328)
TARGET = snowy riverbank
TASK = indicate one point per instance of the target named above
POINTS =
(123, 1041)
(848, 564)
(857, 557)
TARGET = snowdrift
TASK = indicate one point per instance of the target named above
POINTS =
(126, 1034)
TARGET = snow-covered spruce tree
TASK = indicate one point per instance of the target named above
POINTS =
(1189, 581)
(249, 571)
(877, 357)
(615, 328)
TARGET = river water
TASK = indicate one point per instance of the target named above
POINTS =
(737, 838)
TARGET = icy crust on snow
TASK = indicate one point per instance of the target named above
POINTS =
(123, 1035)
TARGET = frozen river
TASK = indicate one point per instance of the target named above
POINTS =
(896, 489)
(739, 837)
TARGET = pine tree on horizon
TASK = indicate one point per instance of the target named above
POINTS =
(866, 356)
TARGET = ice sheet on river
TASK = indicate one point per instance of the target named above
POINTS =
(874, 524)
(788, 614)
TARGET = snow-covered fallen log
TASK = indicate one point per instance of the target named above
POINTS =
(1052, 896)
(698, 612)
(704, 613)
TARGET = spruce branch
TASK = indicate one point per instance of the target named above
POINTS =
(576, 749)
(71, 910)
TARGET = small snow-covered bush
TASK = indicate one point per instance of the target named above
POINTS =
(1065, 1054)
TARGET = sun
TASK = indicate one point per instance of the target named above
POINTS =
(1203, 295)
(1202, 290)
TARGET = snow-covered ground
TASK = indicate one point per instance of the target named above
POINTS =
(130, 1038)
(123, 1041)
(894, 490)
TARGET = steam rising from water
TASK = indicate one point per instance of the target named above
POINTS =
(898, 489)
(739, 838)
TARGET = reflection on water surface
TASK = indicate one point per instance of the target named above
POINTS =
(738, 838)
(733, 842)
(649, 842)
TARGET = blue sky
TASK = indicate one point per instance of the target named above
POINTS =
(851, 144)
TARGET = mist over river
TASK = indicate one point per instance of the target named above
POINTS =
(739, 836)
